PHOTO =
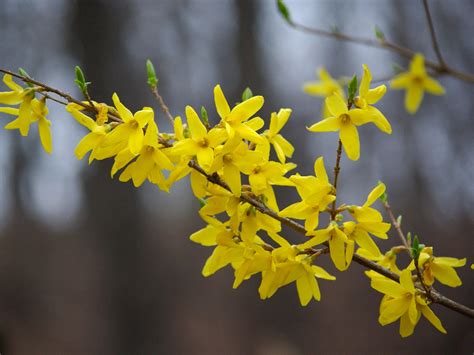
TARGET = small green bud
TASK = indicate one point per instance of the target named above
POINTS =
(339, 217)
(204, 116)
(81, 80)
(416, 247)
(283, 10)
(26, 75)
(247, 94)
(150, 70)
(335, 29)
(399, 220)
(409, 239)
(379, 34)
(352, 88)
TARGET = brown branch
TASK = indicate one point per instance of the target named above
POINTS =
(68, 97)
(161, 102)
(396, 225)
(337, 169)
(434, 296)
(434, 41)
(440, 68)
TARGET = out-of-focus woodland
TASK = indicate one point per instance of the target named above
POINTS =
(89, 265)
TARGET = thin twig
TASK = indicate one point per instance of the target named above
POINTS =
(63, 94)
(387, 45)
(161, 102)
(434, 40)
(402, 237)
(397, 226)
(337, 169)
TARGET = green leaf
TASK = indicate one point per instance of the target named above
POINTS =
(247, 94)
(416, 247)
(202, 202)
(81, 80)
(283, 10)
(379, 34)
(204, 116)
(352, 88)
(150, 70)
(23, 73)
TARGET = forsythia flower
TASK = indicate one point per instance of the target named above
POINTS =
(402, 301)
(287, 266)
(367, 97)
(315, 192)
(235, 120)
(369, 219)
(337, 240)
(151, 160)
(345, 121)
(201, 143)
(131, 130)
(440, 268)
(282, 147)
(230, 160)
(93, 140)
(265, 173)
(416, 81)
(37, 113)
(324, 87)
(387, 260)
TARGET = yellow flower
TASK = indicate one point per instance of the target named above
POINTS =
(403, 301)
(440, 268)
(416, 81)
(15, 96)
(315, 192)
(32, 110)
(24, 119)
(367, 97)
(151, 160)
(93, 140)
(131, 130)
(287, 266)
(325, 87)
(201, 143)
(337, 240)
(264, 173)
(369, 219)
(235, 120)
(282, 147)
(345, 121)
(230, 159)
(387, 260)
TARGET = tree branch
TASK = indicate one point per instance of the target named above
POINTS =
(434, 41)
(439, 68)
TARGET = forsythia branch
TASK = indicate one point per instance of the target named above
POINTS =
(434, 296)
(439, 68)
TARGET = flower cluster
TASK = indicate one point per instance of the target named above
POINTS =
(234, 166)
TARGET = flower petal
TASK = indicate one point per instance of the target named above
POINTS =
(330, 124)
(222, 106)
(350, 141)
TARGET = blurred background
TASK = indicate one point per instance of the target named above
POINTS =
(89, 265)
